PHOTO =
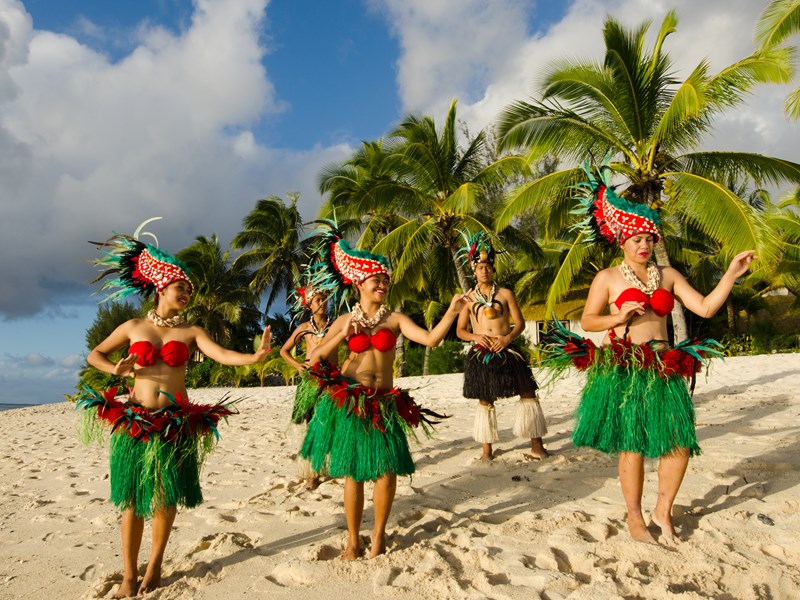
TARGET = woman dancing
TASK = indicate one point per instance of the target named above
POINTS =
(315, 303)
(635, 401)
(159, 439)
(361, 420)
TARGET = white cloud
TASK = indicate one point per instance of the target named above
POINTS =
(89, 145)
(450, 48)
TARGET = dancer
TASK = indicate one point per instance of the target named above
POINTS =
(158, 438)
(361, 420)
(315, 303)
(635, 401)
(495, 366)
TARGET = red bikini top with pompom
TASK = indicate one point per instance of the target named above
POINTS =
(382, 340)
(174, 353)
(661, 301)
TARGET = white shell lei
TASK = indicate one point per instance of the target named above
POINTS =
(368, 323)
(161, 322)
(653, 278)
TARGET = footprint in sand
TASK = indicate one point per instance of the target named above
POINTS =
(88, 573)
(294, 574)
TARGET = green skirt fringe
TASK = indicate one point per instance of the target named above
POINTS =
(154, 474)
(155, 455)
(357, 432)
(630, 409)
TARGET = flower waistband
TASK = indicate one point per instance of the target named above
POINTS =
(179, 418)
(371, 404)
(562, 348)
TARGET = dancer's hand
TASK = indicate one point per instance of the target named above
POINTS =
(500, 343)
(265, 347)
(741, 263)
(629, 310)
(126, 366)
(459, 301)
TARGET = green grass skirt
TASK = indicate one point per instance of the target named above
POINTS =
(153, 474)
(356, 432)
(155, 456)
(632, 409)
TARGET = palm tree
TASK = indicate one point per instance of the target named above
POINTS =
(427, 188)
(632, 111)
(779, 21)
(222, 300)
(273, 235)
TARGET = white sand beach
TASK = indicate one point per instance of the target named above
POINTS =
(514, 528)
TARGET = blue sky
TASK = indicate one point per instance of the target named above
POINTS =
(113, 112)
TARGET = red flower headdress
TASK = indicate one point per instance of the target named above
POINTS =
(611, 218)
(140, 268)
(340, 266)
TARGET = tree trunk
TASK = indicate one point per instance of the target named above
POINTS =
(679, 329)
(399, 352)
(731, 314)
(463, 278)
(426, 360)
(399, 355)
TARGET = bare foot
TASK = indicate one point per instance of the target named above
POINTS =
(151, 580)
(312, 483)
(538, 451)
(352, 552)
(668, 537)
(378, 547)
(639, 533)
(126, 589)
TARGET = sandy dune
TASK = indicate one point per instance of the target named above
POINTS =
(459, 529)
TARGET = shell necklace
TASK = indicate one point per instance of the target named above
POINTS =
(319, 331)
(160, 321)
(653, 278)
(488, 303)
(360, 318)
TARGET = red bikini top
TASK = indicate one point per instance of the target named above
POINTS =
(173, 353)
(382, 340)
(661, 301)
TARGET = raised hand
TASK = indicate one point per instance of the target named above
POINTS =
(741, 263)
(265, 347)
(125, 366)
(459, 301)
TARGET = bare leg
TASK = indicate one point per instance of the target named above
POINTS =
(163, 518)
(132, 528)
(382, 499)
(485, 428)
(488, 453)
(631, 477)
(538, 450)
(353, 511)
(671, 469)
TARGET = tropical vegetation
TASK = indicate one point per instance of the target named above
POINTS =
(631, 112)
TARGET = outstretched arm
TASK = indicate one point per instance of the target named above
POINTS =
(431, 338)
(232, 358)
(707, 306)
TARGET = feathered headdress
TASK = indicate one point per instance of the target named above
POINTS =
(611, 218)
(139, 268)
(301, 300)
(340, 266)
(478, 249)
